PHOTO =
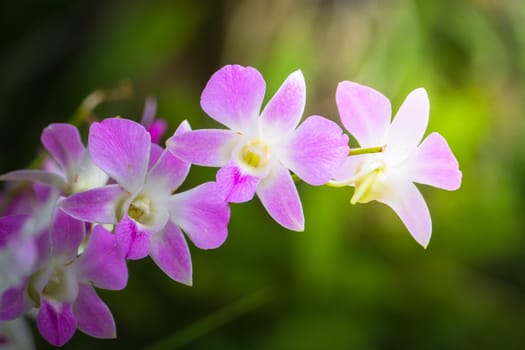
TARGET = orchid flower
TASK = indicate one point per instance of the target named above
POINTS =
(155, 127)
(389, 176)
(148, 215)
(71, 169)
(61, 286)
(260, 148)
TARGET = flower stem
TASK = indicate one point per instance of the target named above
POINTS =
(366, 150)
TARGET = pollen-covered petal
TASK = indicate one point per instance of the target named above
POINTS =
(279, 196)
(56, 322)
(38, 176)
(434, 164)
(283, 112)
(234, 185)
(121, 147)
(93, 315)
(169, 250)
(233, 96)
(97, 205)
(102, 264)
(408, 126)
(364, 112)
(133, 240)
(66, 235)
(207, 147)
(316, 150)
(64, 144)
(13, 302)
(408, 203)
(168, 173)
(202, 214)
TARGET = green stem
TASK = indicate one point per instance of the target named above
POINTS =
(366, 150)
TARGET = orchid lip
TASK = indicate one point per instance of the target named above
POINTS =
(254, 156)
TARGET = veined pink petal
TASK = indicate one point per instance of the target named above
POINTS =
(154, 155)
(38, 176)
(316, 150)
(434, 164)
(202, 214)
(65, 146)
(279, 196)
(121, 147)
(284, 111)
(56, 322)
(93, 315)
(97, 205)
(170, 252)
(133, 240)
(364, 112)
(102, 264)
(13, 302)
(168, 173)
(408, 126)
(208, 147)
(408, 203)
(235, 186)
(233, 96)
(66, 235)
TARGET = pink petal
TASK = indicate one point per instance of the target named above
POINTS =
(208, 147)
(279, 196)
(97, 205)
(364, 112)
(349, 167)
(154, 155)
(66, 235)
(434, 164)
(150, 110)
(65, 146)
(409, 125)
(235, 186)
(202, 214)
(316, 150)
(408, 203)
(284, 111)
(132, 239)
(13, 302)
(157, 130)
(93, 315)
(170, 252)
(11, 228)
(168, 173)
(56, 322)
(233, 97)
(121, 148)
(102, 264)
(38, 176)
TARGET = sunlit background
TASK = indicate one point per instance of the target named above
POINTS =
(354, 279)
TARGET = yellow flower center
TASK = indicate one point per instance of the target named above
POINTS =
(366, 182)
(256, 154)
(140, 207)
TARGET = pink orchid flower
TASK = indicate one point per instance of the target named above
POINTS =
(388, 177)
(260, 148)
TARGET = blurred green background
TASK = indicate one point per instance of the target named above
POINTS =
(354, 279)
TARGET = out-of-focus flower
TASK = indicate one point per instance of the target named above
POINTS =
(155, 127)
(16, 335)
(142, 202)
(258, 151)
(389, 176)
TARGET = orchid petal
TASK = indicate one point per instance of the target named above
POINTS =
(233, 96)
(56, 322)
(207, 147)
(409, 125)
(202, 214)
(168, 173)
(316, 150)
(66, 235)
(11, 228)
(235, 186)
(133, 240)
(157, 129)
(154, 155)
(93, 315)
(65, 146)
(408, 203)
(279, 196)
(121, 148)
(97, 205)
(102, 264)
(13, 302)
(38, 176)
(350, 167)
(434, 164)
(170, 252)
(284, 111)
(364, 112)
(88, 176)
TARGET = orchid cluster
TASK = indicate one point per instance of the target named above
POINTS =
(88, 209)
